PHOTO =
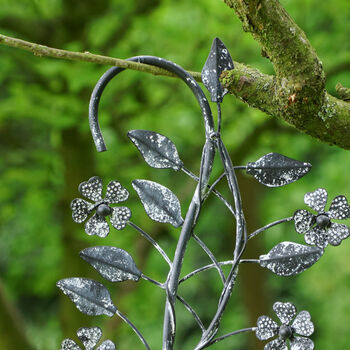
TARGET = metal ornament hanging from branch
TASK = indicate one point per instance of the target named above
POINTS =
(161, 205)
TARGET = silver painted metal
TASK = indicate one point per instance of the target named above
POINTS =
(157, 150)
(289, 258)
(159, 202)
(292, 326)
(89, 337)
(162, 205)
(112, 263)
(276, 170)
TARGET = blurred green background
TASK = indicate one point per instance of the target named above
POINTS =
(46, 151)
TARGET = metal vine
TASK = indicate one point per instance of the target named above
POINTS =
(161, 204)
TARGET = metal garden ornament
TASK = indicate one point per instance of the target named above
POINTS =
(161, 204)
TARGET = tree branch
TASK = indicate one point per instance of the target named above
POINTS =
(297, 92)
(41, 50)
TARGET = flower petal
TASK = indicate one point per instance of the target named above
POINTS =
(69, 344)
(267, 328)
(97, 225)
(302, 324)
(277, 344)
(89, 336)
(116, 193)
(92, 189)
(300, 343)
(336, 233)
(303, 220)
(316, 200)
(106, 345)
(120, 217)
(317, 236)
(80, 210)
(339, 208)
(285, 312)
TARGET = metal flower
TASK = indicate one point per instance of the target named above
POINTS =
(89, 337)
(318, 229)
(302, 325)
(97, 224)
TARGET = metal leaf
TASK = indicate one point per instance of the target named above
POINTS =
(157, 150)
(90, 297)
(289, 258)
(114, 264)
(159, 202)
(219, 60)
(274, 170)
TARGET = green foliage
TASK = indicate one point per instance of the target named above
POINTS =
(46, 151)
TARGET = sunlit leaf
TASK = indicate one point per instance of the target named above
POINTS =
(289, 258)
(274, 170)
(219, 60)
(114, 264)
(90, 297)
(159, 202)
(157, 150)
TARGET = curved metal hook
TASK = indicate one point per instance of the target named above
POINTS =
(153, 61)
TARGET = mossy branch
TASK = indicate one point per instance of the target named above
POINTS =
(297, 92)
(41, 50)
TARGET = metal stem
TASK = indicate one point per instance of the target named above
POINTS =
(153, 61)
(211, 189)
(249, 261)
(241, 241)
(190, 309)
(204, 268)
(152, 241)
(262, 229)
(219, 116)
(126, 320)
(211, 257)
(216, 340)
(146, 278)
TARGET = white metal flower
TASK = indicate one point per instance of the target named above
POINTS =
(302, 325)
(319, 230)
(89, 337)
(97, 224)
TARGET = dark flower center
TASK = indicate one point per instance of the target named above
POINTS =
(103, 210)
(285, 332)
(322, 221)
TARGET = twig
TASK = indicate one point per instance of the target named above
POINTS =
(46, 51)
(262, 229)
(216, 340)
(211, 257)
(152, 241)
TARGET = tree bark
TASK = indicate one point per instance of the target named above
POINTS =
(297, 92)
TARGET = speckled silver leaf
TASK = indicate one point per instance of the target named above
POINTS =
(157, 150)
(90, 297)
(219, 60)
(106, 345)
(289, 258)
(274, 170)
(159, 202)
(114, 264)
